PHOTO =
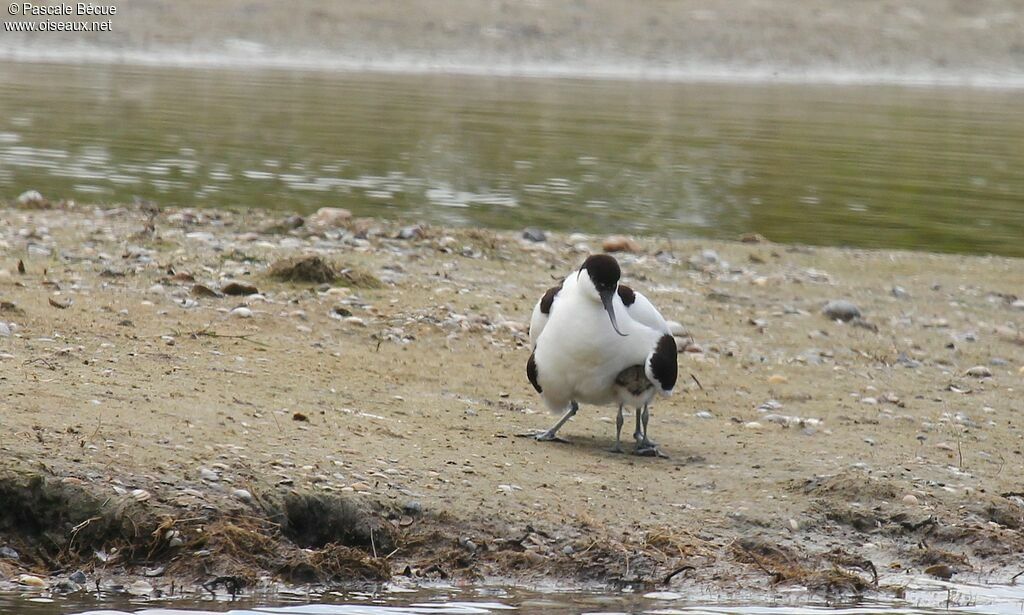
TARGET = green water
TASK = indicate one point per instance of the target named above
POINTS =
(887, 167)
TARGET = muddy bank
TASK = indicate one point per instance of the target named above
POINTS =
(232, 399)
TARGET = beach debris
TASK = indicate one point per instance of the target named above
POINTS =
(841, 310)
(304, 269)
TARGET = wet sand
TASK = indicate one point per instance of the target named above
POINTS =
(373, 419)
(825, 40)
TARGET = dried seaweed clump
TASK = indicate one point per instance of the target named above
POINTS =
(316, 270)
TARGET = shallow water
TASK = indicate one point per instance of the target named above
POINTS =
(924, 596)
(873, 166)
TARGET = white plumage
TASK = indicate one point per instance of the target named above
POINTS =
(597, 342)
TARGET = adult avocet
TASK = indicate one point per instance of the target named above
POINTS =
(597, 341)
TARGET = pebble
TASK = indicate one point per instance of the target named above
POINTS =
(979, 371)
(777, 379)
(910, 499)
(899, 292)
(5, 331)
(841, 310)
(241, 312)
(8, 553)
(329, 217)
(208, 474)
(140, 588)
(78, 577)
(410, 232)
(361, 487)
(66, 586)
(31, 581)
(31, 197)
(242, 494)
(704, 414)
(535, 235)
(1018, 304)
(140, 495)
(794, 525)
(619, 243)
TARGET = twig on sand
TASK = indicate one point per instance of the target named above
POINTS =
(1013, 579)
(211, 333)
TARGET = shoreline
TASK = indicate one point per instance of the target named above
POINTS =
(326, 65)
(154, 412)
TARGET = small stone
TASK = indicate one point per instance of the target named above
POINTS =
(139, 588)
(241, 312)
(9, 553)
(910, 499)
(78, 577)
(777, 379)
(535, 235)
(871, 401)
(31, 198)
(979, 371)
(140, 495)
(242, 494)
(753, 425)
(329, 218)
(693, 348)
(30, 580)
(1018, 304)
(302, 418)
(410, 232)
(752, 238)
(899, 292)
(794, 526)
(413, 507)
(208, 474)
(198, 290)
(841, 310)
(360, 487)
(942, 571)
(5, 331)
(238, 289)
(466, 543)
(619, 243)
(704, 414)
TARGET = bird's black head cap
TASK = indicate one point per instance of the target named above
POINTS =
(604, 271)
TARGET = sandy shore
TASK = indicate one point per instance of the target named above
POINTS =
(917, 40)
(152, 428)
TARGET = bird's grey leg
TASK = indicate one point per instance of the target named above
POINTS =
(638, 434)
(618, 432)
(645, 416)
(551, 433)
(644, 445)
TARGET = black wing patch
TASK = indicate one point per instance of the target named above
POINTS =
(549, 298)
(531, 373)
(663, 362)
(627, 295)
